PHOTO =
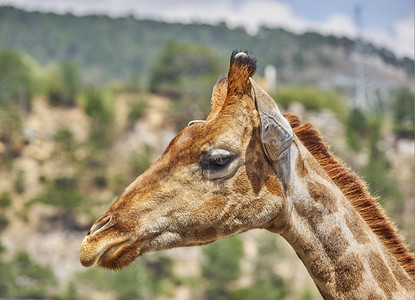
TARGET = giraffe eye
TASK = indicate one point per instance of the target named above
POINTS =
(218, 163)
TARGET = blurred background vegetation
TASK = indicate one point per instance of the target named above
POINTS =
(88, 103)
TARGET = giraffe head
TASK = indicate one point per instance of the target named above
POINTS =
(216, 178)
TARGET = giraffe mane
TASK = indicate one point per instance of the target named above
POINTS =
(355, 190)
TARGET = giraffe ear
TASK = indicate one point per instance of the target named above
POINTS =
(276, 133)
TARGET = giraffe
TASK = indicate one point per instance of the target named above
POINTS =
(249, 166)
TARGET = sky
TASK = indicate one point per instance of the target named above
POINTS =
(388, 23)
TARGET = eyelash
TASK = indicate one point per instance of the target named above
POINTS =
(217, 161)
(218, 164)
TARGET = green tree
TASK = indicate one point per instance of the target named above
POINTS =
(312, 98)
(299, 60)
(149, 278)
(23, 277)
(11, 131)
(181, 62)
(64, 85)
(63, 194)
(8, 285)
(65, 143)
(96, 106)
(19, 182)
(267, 283)
(137, 107)
(268, 289)
(16, 80)
(5, 202)
(186, 73)
(133, 84)
(357, 128)
(221, 266)
(377, 171)
(403, 113)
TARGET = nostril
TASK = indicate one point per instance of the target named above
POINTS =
(99, 225)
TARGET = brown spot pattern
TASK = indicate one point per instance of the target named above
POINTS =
(242, 185)
(300, 167)
(374, 296)
(273, 186)
(308, 248)
(323, 195)
(320, 270)
(209, 233)
(355, 191)
(315, 217)
(349, 274)
(255, 164)
(334, 243)
(313, 164)
(249, 209)
(401, 276)
(212, 209)
(382, 274)
(352, 221)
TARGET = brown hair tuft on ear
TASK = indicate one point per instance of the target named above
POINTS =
(242, 67)
(244, 58)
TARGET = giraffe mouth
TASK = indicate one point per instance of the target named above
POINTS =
(117, 256)
(111, 255)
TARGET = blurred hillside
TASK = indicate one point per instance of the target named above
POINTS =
(106, 49)
(88, 103)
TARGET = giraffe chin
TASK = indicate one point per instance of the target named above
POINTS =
(117, 257)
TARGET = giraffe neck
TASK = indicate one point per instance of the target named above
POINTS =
(342, 254)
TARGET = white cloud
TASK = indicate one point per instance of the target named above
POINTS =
(249, 13)
(404, 36)
(252, 14)
(338, 24)
(401, 41)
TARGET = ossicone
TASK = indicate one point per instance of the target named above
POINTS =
(242, 67)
